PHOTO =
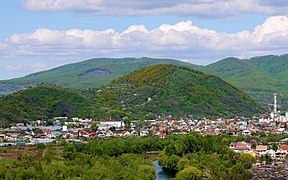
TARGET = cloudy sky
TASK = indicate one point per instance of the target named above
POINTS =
(38, 35)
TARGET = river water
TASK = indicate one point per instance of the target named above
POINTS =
(160, 174)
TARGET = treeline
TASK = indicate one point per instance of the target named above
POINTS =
(188, 156)
(81, 166)
(208, 157)
(113, 158)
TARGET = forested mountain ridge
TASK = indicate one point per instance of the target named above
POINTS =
(178, 91)
(260, 77)
(143, 94)
(85, 74)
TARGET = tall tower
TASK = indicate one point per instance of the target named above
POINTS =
(275, 104)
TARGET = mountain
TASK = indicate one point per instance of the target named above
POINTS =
(260, 77)
(86, 74)
(143, 94)
(179, 91)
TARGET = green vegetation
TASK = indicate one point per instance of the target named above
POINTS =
(42, 102)
(197, 157)
(179, 91)
(86, 74)
(143, 94)
(188, 156)
(260, 77)
(99, 159)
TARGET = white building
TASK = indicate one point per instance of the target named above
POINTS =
(111, 123)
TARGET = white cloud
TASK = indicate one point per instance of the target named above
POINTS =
(200, 8)
(182, 41)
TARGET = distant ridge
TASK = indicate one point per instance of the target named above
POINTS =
(260, 77)
(85, 74)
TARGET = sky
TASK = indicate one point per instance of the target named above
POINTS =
(38, 35)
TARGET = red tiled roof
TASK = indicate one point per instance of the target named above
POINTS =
(241, 146)
(283, 147)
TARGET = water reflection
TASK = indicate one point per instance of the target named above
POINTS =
(160, 174)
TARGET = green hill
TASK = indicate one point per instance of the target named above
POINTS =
(143, 94)
(179, 91)
(86, 74)
(42, 102)
(260, 77)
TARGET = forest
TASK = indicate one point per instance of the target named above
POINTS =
(187, 157)
(149, 92)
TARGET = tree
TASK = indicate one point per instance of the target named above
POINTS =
(274, 147)
(94, 126)
(247, 160)
(38, 131)
(127, 122)
(189, 173)
(4, 123)
(238, 172)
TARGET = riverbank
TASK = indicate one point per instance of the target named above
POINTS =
(160, 173)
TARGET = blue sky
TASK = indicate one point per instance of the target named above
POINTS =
(39, 35)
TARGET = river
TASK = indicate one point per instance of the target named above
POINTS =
(160, 174)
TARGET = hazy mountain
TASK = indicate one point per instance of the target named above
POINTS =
(86, 74)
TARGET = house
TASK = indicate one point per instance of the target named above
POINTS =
(2, 137)
(20, 144)
(281, 152)
(123, 133)
(160, 134)
(246, 132)
(272, 153)
(84, 133)
(39, 140)
(144, 133)
(134, 133)
(109, 133)
(47, 133)
(283, 141)
(261, 150)
(101, 134)
(111, 123)
(73, 140)
(240, 147)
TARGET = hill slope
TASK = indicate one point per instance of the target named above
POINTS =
(260, 77)
(86, 74)
(143, 94)
(42, 102)
(179, 91)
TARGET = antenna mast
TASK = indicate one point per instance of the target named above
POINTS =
(275, 104)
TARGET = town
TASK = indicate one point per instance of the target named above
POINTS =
(271, 155)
